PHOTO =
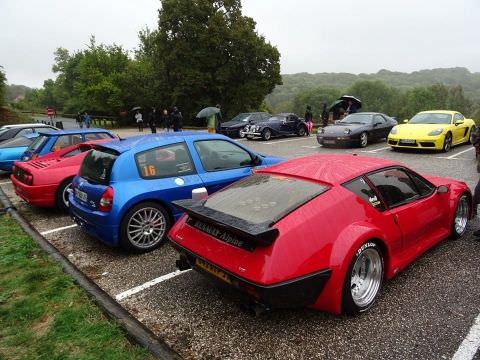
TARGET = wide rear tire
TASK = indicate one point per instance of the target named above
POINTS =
(461, 217)
(447, 142)
(363, 280)
(61, 196)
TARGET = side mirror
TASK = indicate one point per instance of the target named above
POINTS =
(458, 122)
(405, 121)
(442, 189)
(199, 193)
(257, 160)
(376, 124)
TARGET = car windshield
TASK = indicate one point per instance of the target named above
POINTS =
(260, 197)
(357, 119)
(37, 143)
(241, 117)
(97, 165)
(16, 142)
(431, 118)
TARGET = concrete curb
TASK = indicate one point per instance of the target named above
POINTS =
(133, 328)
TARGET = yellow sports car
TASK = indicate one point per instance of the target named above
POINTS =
(433, 129)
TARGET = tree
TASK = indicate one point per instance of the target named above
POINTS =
(315, 98)
(205, 52)
(3, 84)
(376, 96)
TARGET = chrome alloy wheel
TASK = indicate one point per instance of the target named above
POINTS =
(363, 139)
(146, 227)
(66, 191)
(366, 277)
(461, 215)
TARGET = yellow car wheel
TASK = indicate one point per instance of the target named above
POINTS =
(447, 143)
(470, 136)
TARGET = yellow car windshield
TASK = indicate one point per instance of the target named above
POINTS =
(431, 118)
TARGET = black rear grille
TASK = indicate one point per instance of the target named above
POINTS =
(19, 174)
(427, 144)
(38, 164)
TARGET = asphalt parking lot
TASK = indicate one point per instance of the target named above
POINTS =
(426, 312)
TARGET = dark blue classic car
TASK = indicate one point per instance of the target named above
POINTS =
(234, 127)
(278, 125)
(357, 129)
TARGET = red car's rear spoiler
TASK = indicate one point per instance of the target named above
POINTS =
(221, 225)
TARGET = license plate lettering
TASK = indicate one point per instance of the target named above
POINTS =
(81, 195)
(212, 270)
(329, 141)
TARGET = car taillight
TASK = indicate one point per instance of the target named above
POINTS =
(34, 156)
(106, 201)
(28, 179)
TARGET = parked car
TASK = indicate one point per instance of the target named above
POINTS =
(358, 129)
(59, 139)
(123, 192)
(12, 150)
(234, 128)
(432, 130)
(46, 181)
(14, 131)
(322, 231)
(278, 125)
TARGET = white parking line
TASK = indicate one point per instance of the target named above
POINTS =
(58, 229)
(469, 346)
(148, 284)
(5, 183)
(375, 150)
(276, 142)
(311, 147)
(455, 155)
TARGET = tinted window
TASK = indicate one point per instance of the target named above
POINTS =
(395, 186)
(459, 117)
(423, 187)
(77, 150)
(38, 143)
(97, 136)
(221, 154)
(166, 161)
(364, 191)
(97, 166)
(259, 198)
(66, 140)
(24, 132)
(42, 129)
(357, 119)
(379, 119)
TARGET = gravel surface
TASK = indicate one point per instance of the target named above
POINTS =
(423, 313)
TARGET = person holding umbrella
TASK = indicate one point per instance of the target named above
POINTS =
(210, 114)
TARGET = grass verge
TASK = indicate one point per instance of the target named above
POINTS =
(43, 314)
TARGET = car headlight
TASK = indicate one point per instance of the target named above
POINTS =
(257, 128)
(435, 132)
(393, 131)
(347, 131)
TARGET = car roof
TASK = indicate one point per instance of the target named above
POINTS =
(329, 168)
(73, 132)
(145, 142)
(13, 126)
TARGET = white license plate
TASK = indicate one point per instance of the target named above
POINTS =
(81, 195)
(407, 141)
(329, 141)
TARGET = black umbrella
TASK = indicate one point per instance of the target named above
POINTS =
(136, 108)
(353, 99)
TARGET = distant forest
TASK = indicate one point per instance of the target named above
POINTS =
(284, 97)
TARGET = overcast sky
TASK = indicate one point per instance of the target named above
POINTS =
(355, 36)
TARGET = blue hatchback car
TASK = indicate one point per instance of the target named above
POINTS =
(124, 189)
(55, 140)
(11, 150)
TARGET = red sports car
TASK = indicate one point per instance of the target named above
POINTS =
(45, 181)
(322, 231)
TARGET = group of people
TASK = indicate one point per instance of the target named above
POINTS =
(166, 120)
(338, 112)
(83, 119)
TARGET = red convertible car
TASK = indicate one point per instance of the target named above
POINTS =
(322, 231)
(45, 181)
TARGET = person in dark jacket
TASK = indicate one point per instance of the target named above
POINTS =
(309, 119)
(325, 115)
(152, 120)
(165, 121)
(177, 119)
(218, 119)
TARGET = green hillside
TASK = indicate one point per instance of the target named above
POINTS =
(293, 84)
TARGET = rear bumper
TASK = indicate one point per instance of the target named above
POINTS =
(298, 292)
(41, 195)
(96, 223)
